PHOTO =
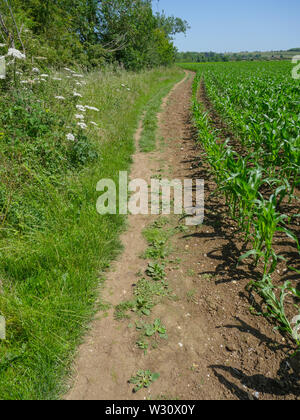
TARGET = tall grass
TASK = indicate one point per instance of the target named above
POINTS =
(51, 269)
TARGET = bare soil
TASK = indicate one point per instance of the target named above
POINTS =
(216, 349)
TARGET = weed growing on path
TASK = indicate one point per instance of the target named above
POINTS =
(143, 379)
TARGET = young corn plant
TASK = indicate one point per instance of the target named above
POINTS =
(276, 306)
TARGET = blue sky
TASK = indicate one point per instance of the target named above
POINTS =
(232, 25)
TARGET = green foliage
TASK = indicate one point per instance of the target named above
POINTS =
(151, 329)
(88, 33)
(258, 181)
(149, 334)
(147, 294)
(53, 243)
(156, 271)
(143, 379)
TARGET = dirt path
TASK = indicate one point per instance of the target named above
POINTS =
(215, 348)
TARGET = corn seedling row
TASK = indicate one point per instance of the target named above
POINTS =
(260, 106)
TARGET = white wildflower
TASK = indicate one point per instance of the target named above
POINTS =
(93, 123)
(77, 75)
(2, 45)
(57, 78)
(61, 98)
(70, 137)
(123, 85)
(12, 52)
(78, 84)
(82, 125)
(43, 80)
(24, 82)
(44, 75)
(81, 108)
(69, 70)
(91, 108)
(77, 95)
(35, 70)
(79, 117)
(19, 73)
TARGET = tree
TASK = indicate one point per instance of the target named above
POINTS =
(87, 32)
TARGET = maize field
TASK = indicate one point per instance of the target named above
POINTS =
(256, 169)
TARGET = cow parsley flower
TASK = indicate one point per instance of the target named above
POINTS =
(69, 70)
(79, 117)
(82, 125)
(61, 98)
(91, 108)
(44, 75)
(12, 52)
(70, 137)
(77, 95)
(93, 123)
(35, 70)
(81, 108)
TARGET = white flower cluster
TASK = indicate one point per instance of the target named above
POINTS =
(81, 108)
(91, 108)
(82, 125)
(70, 137)
(12, 52)
(79, 116)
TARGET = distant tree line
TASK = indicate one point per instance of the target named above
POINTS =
(204, 57)
(91, 32)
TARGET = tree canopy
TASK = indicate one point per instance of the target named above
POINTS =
(91, 32)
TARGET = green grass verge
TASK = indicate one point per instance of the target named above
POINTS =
(49, 274)
(150, 122)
